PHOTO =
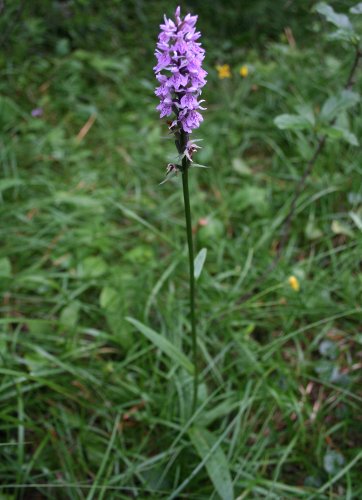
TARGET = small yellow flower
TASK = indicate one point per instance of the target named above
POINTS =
(294, 283)
(244, 71)
(223, 71)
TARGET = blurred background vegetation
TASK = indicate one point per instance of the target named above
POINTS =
(89, 408)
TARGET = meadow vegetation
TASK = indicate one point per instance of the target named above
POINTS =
(92, 406)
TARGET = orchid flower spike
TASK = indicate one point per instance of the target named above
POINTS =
(179, 71)
(181, 77)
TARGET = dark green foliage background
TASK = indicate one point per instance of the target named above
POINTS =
(89, 408)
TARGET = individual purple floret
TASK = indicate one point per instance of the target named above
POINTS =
(179, 59)
(36, 112)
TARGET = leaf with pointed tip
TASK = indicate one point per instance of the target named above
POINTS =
(10, 183)
(339, 228)
(217, 466)
(342, 35)
(199, 262)
(357, 9)
(306, 111)
(356, 219)
(337, 103)
(292, 122)
(163, 344)
(341, 133)
(339, 20)
(197, 165)
(167, 178)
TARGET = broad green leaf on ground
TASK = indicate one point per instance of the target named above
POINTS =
(312, 231)
(340, 228)
(341, 133)
(329, 349)
(114, 302)
(306, 111)
(163, 344)
(343, 35)
(254, 197)
(93, 267)
(337, 103)
(333, 462)
(109, 298)
(339, 20)
(70, 314)
(140, 254)
(357, 9)
(216, 463)
(292, 122)
(241, 167)
(199, 262)
(211, 230)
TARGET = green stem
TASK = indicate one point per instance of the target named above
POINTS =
(185, 185)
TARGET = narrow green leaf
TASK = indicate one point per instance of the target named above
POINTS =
(292, 122)
(10, 113)
(199, 262)
(5, 267)
(163, 344)
(10, 183)
(132, 215)
(356, 219)
(197, 165)
(168, 177)
(216, 465)
(97, 487)
(78, 200)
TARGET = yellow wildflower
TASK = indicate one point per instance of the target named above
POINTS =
(294, 283)
(244, 71)
(223, 71)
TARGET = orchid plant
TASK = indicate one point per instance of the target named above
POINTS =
(181, 77)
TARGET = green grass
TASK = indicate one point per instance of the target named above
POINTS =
(89, 407)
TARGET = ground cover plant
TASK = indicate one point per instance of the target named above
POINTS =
(92, 407)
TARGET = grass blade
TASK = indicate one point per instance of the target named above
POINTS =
(216, 465)
(163, 344)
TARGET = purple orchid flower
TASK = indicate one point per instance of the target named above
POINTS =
(179, 71)
(37, 112)
(181, 78)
